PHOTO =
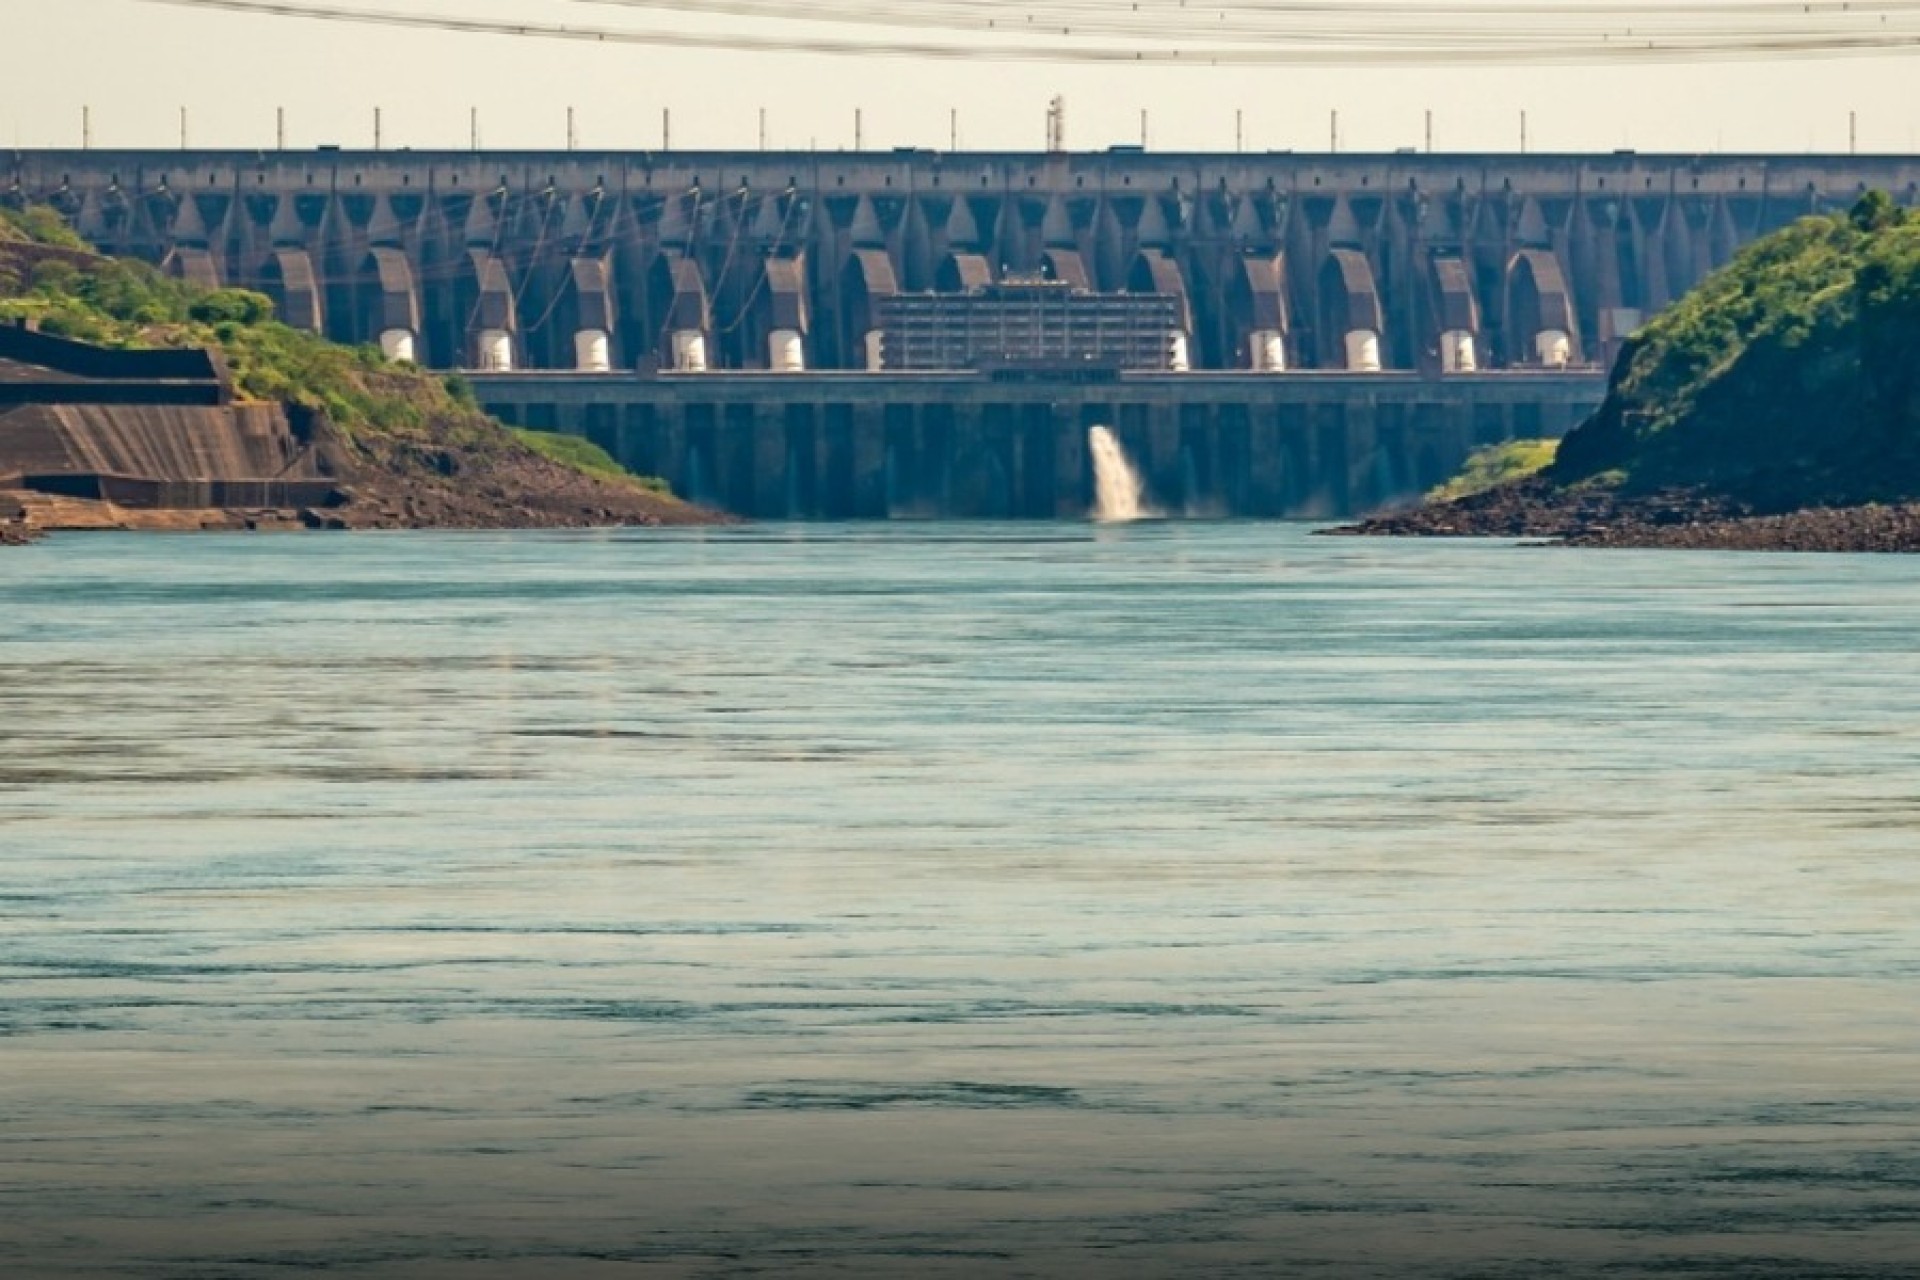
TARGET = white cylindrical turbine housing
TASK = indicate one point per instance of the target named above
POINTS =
(1267, 351)
(1555, 348)
(397, 344)
(1456, 352)
(786, 353)
(1179, 358)
(689, 351)
(496, 351)
(1363, 351)
(592, 351)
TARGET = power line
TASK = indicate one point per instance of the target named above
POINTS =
(1301, 33)
(1519, 21)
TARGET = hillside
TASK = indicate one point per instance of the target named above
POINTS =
(410, 449)
(1778, 404)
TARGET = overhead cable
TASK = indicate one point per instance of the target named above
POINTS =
(1170, 34)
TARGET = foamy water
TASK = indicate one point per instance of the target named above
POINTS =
(1119, 492)
(955, 900)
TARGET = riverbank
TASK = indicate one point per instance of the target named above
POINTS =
(1593, 516)
(1773, 408)
(166, 398)
(502, 487)
(16, 533)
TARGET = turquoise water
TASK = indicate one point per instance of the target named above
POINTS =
(1207, 900)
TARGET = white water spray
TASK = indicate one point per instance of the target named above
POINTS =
(1118, 488)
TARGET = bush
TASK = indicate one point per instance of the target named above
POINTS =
(232, 307)
(1497, 464)
(585, 456)
(40, 225)
(1875, 211)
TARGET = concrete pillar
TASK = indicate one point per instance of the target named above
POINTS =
(1265, 469)
(1200, 471)
(1158, 430)
(706, 453)
(1456, 352)
(805, 458)
(1328, 494)
(1072, 473)
(875, 344)
(829, 455)
(1296, 460)
(670, 446)
(996, 463)
(869, 462)
(769, 449)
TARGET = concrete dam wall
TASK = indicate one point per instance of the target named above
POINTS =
(878, 446)
(746, 261)
(919, 333)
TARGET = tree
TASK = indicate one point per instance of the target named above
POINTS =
(1876, 211)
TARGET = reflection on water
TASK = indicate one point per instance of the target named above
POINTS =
(956, 901)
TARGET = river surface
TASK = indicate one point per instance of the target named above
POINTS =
(956, 900)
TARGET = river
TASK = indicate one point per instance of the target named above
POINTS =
(956, 900)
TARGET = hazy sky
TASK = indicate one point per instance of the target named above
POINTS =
(136, 64)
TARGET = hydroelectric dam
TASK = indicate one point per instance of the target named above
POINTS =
(919, 333)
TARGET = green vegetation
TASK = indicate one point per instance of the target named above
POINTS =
(1787, 378)
(1497, 464)
(117, 302)
(38, 225)
(584, 455)
(378, 406)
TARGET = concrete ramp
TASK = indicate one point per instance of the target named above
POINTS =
(155, 442)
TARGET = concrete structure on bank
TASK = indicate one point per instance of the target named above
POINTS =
(146, 429)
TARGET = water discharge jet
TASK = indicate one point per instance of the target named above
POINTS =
(1118, 489)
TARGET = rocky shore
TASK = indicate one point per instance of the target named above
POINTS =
(407, 487)
(1590, 516)
(416, 485)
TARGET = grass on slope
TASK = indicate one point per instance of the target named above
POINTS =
(1497, 464)
(583, 455)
